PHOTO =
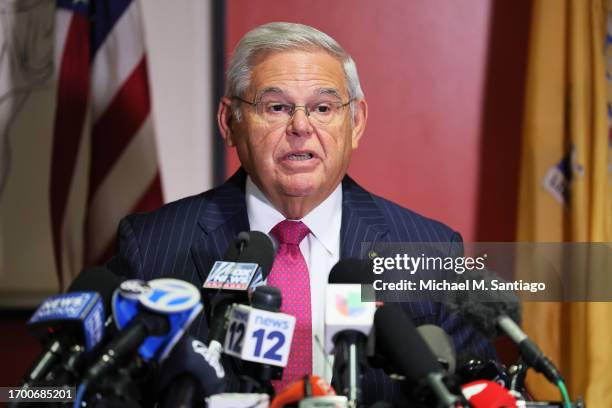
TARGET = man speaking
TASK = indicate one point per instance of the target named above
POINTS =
(294, 111)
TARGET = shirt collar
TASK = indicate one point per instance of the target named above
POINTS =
(324, 221)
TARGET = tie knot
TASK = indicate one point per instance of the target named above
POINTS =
(290, 232)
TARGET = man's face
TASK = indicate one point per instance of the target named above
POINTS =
(298, 157)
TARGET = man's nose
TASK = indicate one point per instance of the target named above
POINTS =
(299, 122)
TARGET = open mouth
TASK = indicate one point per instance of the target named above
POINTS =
(299, 156)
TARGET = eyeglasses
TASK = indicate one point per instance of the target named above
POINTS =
(275, 112)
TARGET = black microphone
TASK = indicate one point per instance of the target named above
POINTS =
(398, 339)
(472, 368)
(351, 271)
(349, 328)
(257, 376)
(71, 324)
(267, 298)
(144, 325)
(189, 375)
(246, 263)
(441, 345)
(229, 280)
(498, 312)
(151, 322)
(252, 247)
(259, 337)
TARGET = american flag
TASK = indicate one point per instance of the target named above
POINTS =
(103, 106)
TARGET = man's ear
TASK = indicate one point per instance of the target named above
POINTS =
(225, 120)
(359, 121)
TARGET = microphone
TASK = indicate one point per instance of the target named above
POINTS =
(394, 333)
(152, 317)
(472, 369)
(246, 264)
(261, 337)
(189, 374)
(497, 312)
(531, 353)
(348, 322)
(265, 298)
(488, 394)
(441, 345)
(72, 323)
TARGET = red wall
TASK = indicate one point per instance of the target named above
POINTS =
(444, 82)
(18, 349)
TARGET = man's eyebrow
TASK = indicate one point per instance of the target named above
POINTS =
(330, 91)
(270, 89)
(277, 90)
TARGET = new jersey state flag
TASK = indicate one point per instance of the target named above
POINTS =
(566, 184)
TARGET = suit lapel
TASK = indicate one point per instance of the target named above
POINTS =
(363, 224)
(223, 218)
(225, 215)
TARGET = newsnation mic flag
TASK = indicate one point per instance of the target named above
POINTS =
(77, 147)
(566, 182)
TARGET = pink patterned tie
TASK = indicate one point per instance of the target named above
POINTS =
(290, 274)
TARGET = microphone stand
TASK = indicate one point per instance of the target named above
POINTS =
(348, 365)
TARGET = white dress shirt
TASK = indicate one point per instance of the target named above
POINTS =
(321, 250)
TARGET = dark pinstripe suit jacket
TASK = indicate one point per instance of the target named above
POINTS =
(184, 238)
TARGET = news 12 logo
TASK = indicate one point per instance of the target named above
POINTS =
(350, 305)
(259, 335)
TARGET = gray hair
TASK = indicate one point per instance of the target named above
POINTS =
(280, 37)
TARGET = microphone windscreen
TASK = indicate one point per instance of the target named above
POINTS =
(267, 298)
(482, 311)
(187, 358)
(258, 248)
(440, 344)
(243, 237)
(97, 279)
(398, 340)
(351, 270)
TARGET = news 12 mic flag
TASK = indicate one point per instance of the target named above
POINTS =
(104, 110)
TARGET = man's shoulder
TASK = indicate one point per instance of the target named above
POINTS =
(218, 201)
(395, 211)
(184, 207)
(190, 207)
(407, 224)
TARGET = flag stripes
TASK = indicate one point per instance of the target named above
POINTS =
(106, 78)
(72, 101)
